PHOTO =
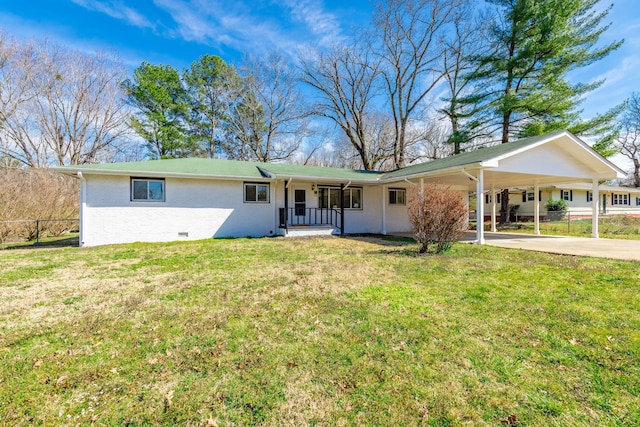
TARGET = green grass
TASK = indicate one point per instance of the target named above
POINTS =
(613, 227)
(316, 332)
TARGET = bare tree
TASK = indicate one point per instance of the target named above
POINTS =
(344, 80)
(629, 139)
(464, 41)
(408, 37)
(17, 63)
(268, 119)
(433, 142)
(80, 108)
(60, 106)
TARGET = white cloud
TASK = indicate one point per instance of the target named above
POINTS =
(284, 26)
(117, 10)
(321, 23)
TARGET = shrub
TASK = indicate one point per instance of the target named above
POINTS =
(438, 217)
(556, 208)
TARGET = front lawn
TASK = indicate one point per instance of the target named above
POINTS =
(316, 332)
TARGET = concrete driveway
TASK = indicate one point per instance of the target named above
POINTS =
(583, 246)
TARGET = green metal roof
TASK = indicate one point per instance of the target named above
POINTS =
(255, 170)
(469, 158)
(221, 168)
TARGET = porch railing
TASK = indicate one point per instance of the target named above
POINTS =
(309, 216)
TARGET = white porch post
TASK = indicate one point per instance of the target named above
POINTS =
(536, 209)
(494, 228)
(276, 217)
(383, 228)
(480, 208)
(421, 184)
(596, 208)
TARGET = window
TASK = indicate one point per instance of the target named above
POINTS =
(566, 195)
(487, 198)
(637, 201)
(147, 190)
(330, 197)
(397, 196)
(589, 196)
(256, 193)
(620, 199)
(531, 197)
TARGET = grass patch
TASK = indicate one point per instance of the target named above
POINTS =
(317, 332)
(613, 227)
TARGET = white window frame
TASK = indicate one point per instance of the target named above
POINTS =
(349, 191)
(566, 195)
(531, 196)
(148, 198)
(257, 185)
(396, 192)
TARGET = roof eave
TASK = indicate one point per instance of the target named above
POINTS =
(325, 179)
(442, 172)
(154, 174)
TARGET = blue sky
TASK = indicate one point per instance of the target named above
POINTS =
(178, 31)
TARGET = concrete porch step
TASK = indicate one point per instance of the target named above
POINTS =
(311, 230)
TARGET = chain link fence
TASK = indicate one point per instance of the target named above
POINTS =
(27, 230)
(570, 223)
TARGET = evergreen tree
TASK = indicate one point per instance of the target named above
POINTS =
(523, 84)
(161, 99)
(209, 83)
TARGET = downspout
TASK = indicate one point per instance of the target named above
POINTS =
(83, 204)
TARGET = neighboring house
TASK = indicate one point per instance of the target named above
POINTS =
(163, 200)
(614, 200)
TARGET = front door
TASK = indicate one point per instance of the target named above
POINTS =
(300, 199)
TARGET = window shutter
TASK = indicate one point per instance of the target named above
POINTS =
(540, 196)
(571, 195)
(486, 199)
(629, 199)
(524, 196)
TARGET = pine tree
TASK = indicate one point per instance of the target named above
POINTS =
(524, 87)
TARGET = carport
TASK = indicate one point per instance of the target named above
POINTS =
(552, 159)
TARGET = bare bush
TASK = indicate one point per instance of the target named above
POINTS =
(36, 194)
(438, 217)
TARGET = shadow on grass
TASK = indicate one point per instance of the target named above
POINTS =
(392, 245)
(56, 242)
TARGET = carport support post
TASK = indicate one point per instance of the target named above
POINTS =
(595, 200)
(480, 208)
(536, 209)
(493, 209)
